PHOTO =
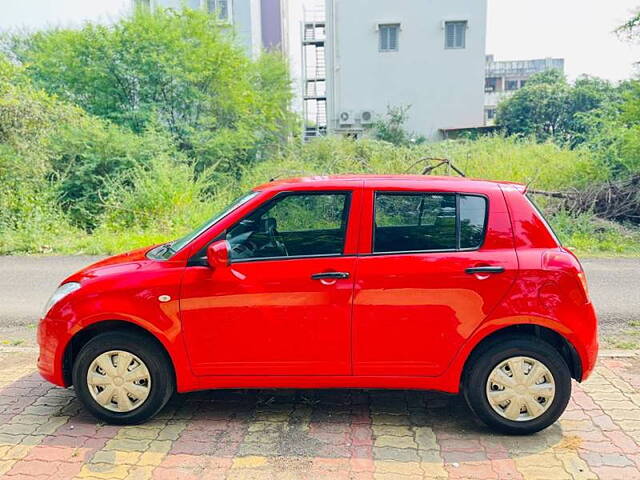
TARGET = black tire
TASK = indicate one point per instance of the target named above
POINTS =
(153, 356)
(482, 363)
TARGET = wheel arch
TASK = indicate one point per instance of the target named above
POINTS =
(81, 337)
(552, 337)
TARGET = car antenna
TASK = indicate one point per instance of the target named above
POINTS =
(287, 173)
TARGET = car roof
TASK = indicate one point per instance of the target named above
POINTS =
(391, 180)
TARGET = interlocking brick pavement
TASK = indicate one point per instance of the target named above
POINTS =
(323, 434)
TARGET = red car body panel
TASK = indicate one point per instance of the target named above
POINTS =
(406, 320)
(401, 297)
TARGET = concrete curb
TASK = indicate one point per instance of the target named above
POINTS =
(619, 354)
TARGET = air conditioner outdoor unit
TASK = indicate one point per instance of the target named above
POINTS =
(345, 118)
(366, 117)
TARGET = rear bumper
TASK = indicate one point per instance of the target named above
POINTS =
(52, 340)
(587, 344)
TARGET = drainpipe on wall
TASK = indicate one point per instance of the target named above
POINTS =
(334, 66)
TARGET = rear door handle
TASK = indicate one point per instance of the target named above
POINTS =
(474, 270)
(330, 276)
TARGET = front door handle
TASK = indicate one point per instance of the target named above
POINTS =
(481, 270)
(330, 276)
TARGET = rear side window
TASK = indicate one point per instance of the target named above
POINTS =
(413, 222)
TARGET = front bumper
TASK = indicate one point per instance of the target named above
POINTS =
(52, 340)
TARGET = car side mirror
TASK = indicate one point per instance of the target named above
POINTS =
(218, 255)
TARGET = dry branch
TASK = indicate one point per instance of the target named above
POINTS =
(617, 200)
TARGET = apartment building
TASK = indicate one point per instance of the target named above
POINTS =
(503, 78)
(247, 16)
(350, 60)
(428, 54)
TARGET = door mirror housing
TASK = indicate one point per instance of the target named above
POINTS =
(218, 255)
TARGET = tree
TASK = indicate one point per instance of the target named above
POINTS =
(548, 107)
(391, 129)
(538, 109)
(180, 70)
(631, 28)
(51, 150)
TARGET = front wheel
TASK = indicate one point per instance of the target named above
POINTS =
(122, 377)
(518, 386)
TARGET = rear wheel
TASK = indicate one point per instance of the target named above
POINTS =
(122, 377)
(518, 386)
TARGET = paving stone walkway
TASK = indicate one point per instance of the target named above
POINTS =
(326, 434)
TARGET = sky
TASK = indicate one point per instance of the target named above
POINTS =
(34, 14)
(580, 31)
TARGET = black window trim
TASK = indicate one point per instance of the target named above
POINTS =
(431, 192)
(196, 259)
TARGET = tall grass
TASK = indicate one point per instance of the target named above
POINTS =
(543, 166)
(166, 199)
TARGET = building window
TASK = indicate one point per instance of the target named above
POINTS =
(389, 37)
(455, 34)
(491, 113)
(490, 84)
(522, 83)
(144, 4)
(511, 85)
(220, 7)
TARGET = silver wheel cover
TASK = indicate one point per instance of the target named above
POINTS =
(520, 389)
(119, 381)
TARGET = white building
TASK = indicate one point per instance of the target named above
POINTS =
(245, 15)
(349, 59)
(503, 78)
(429, 54)
(260, 25)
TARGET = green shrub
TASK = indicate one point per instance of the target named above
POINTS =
(588, 234)
(89, 156)
(180, 69)
(164, 197)
(30, 220)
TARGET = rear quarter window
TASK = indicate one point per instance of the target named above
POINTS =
(473, 219)
(542, 218)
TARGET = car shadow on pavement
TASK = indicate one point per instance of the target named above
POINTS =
(335, 425)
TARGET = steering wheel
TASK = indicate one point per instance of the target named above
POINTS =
(274, 237)
(243, 250)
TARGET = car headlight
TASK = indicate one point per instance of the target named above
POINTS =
(62, 291)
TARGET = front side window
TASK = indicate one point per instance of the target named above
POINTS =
(414, 222)
(455, 34)
(166, 251)
(293, 225)
(389, 37)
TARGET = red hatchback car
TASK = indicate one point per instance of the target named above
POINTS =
(411, 282)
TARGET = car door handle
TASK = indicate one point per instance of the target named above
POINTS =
(475, 270)
(330, 276)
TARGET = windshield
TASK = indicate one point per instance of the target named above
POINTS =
(163, 252)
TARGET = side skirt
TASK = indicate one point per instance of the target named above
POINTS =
(442, 383)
